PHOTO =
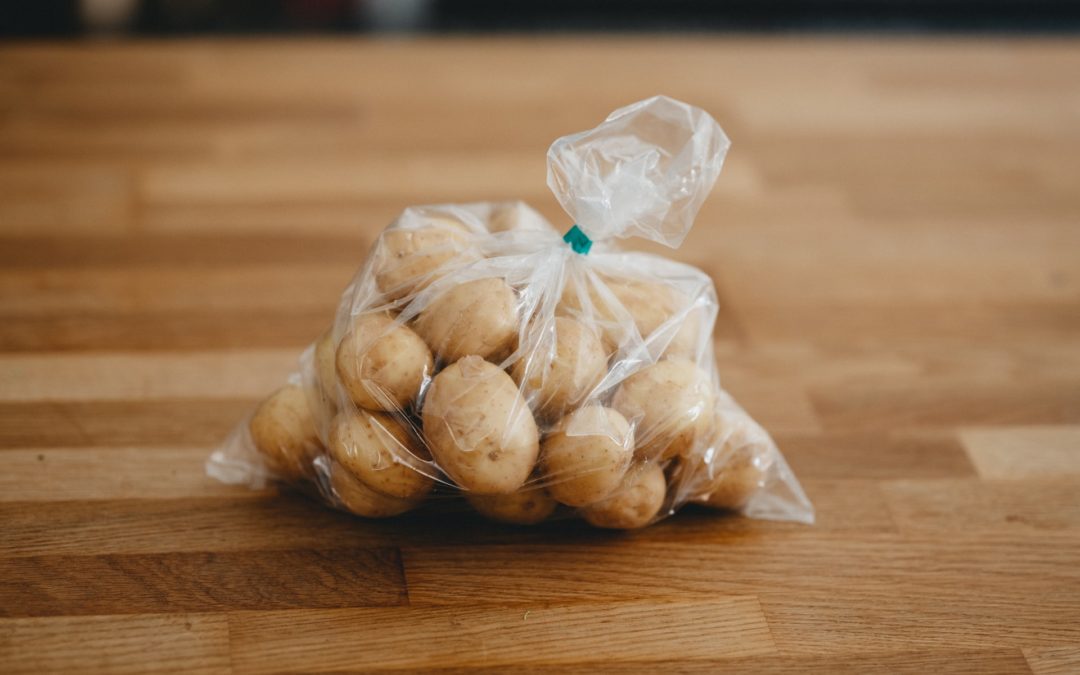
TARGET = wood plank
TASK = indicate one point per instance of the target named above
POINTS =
(196, 329)
(145, 377)
(36, 197)
(50, 424)
(940, 172)
(954, 324)
(932, 405)
(1022, 569)
(418, 177)
(1047, 505)
(915, 361)
(120, 102)
(131, 288)
(298, 220)
(185, 250)
(181, 525)
(244, 521)
(846, 504)
(482, 634)
(910, 662)
(957, 112)
(30, 136)
(898, 260)
(197, 643)
(803, 362)
(79, 474)
(1024, 452)
(905, 617)
(1053, 660)
(875, 455)
(200, 582)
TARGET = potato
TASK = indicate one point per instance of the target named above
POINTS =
(560, 383)
(479, 428)
(635, 503)
(648, 304)
(475, 318)
(380, 451)
(382, 364)
(406, 259)
(325, 367)
(687, 339)
(672, 402)
(735, 483)
(283, 431)
(651, 304)
(516, 216)
(739, 467)
(581, 300)
(362, 500)
(524, 507)
(586, 456)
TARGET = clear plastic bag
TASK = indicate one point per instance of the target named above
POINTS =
(479, 353)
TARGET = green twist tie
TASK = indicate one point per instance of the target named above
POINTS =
(578, 240)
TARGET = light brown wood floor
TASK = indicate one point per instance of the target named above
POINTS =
(896, 240)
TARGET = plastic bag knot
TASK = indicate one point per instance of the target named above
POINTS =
(578, 240)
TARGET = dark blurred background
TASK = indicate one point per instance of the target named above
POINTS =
(73, 18)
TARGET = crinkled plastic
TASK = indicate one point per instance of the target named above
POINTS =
(476, 354)
(644, 172)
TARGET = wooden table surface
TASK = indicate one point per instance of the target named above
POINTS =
(895, 240)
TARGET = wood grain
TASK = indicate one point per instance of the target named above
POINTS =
(895, 245)
(82, 474)
(116, 644)
(897, 619)
(875, 456)
(200, 582)
(1024, 452)
(90, 424)
(164, 329)
(1006, 567)
(192, 375)
(1053, 660)
(959, 662)
(985, 506)
(545, 633)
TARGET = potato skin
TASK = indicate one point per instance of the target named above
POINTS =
(587, 455)
(283, 431)
(738, 469)
(581, 300)
(672, 402)
(649, 304)
(476, 318)
(516, 216)
(406, 259)
(578, 365)
(382, 364)
(735, 483)
(479, 428)
(635, 503)
(380, 451)
(362, 500)
(524, 507)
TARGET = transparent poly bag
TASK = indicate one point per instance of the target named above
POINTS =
(478, 353)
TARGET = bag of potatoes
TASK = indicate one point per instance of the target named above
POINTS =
(479, 353)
